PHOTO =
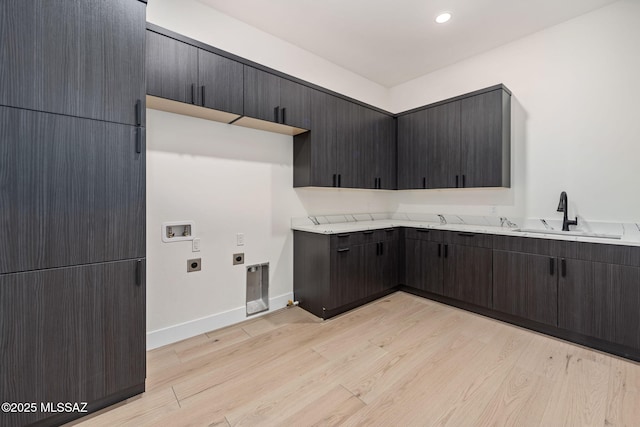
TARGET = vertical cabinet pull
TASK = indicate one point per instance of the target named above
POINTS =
(563, 266)
(424, 182)
(446, 251)
(552, 265)
(139, 135)
(282, 116)
(138, 112)
(457, 186)
(463, 181)
(339, 180)
(193, 93)
(381, 248)
(139, 272)
(439, 250)
(276, 115)
(202, 95)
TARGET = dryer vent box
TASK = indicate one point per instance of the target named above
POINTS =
(257, 288)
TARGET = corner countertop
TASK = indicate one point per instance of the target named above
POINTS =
(355, 226)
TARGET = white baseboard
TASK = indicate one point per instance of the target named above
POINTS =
(189, 329)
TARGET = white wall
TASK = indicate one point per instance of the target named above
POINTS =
(229, 180)
(203, 23)
(575, 128)
(575, 118)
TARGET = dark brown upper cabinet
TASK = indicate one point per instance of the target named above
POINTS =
(350, 146)
(412, 150)
(271, 98)
(461, 143)
(184, 73)
(172, 69)
(485, 147)
(75, 57)
(314, 152)
(380, 139)
(220, 82)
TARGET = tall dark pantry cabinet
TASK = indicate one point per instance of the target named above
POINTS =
(72, 207)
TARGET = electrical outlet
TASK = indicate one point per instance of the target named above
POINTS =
(240, 239)
(194, 265)
(238, 259)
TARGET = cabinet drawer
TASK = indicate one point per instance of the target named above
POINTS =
(525, 245)
(343, 240)
(479, 240)
(612, 254)
(423, 234)
(381, 235)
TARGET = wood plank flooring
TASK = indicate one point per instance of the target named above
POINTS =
(399, 361)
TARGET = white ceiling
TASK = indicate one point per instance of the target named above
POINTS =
(391, 42)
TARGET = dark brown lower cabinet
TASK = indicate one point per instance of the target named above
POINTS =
(526, 285)
(468, 274)
(381, 266)
(333, 273)
(347, 281)
(423, 265)
(600, 300)
(74, 334)
(592, 299)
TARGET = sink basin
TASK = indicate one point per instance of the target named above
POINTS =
(570, 233)
(466, 227)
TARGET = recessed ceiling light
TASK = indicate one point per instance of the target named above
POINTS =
(443, 17)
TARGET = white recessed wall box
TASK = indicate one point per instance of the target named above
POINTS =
(175, 231)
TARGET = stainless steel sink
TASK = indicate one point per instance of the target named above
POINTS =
(570, 233)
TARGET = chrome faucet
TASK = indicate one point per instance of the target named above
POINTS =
(443, 220)
(563, 206)
(505, 221)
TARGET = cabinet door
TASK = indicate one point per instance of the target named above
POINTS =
(443, 146)
(72, 191)
(82, 58)
(72, 334)
(261, 95)
(600, 300)
(220, 82)
(348, 153)
(381, 266)
(412, 150)
(526, 285)
(314, 152)
(389, 256)
(347, 276)
(295, 104)
(384, 150)
(354, 142)
(485, 139)
(468, 274)
(423, 265)
(172, 69)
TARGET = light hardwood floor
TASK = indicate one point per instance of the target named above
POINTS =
(399, 361)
